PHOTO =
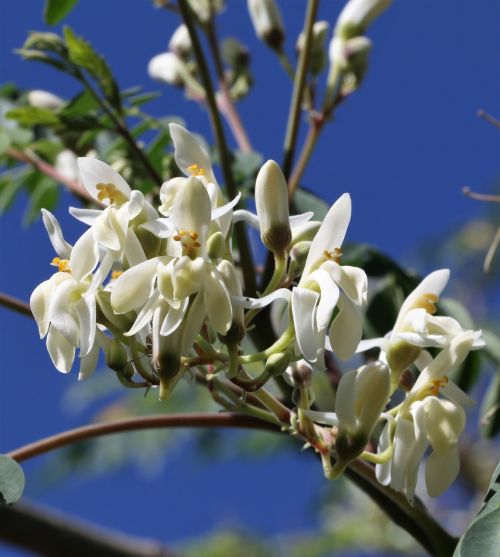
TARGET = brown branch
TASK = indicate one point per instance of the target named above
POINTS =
(480, 196)
(15, 304)
(131, 424)
(489, 118)
(54, 535)
(45, 168)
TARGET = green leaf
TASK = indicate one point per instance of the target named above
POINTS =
(4, 140)
(383, 308)
(44, 195)
(56, 10)
(467, 375)
(32, 116)
(455, 309)
(490, 408)
(11, 480)
(143, 98)
(80, 105)
(83, 55)
(492, 345)
(10, 184)
(304, 201)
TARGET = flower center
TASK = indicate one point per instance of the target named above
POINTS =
(111, 193)
(334, 255)
(196, 170)
(427, 302)
(436, 385)
(61, 264)
(116, 274)
(189, 241)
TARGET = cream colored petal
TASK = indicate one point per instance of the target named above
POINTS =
(61, 247)
(85, 310)
(84, 256)
(329, 295)
(94, 171)
(217, 302)
(193, 322)
(189, 151)
(304, 302)
(134, 287)
(345, 401)
(441, 470)
(346, 330)
(88, 363)
(133, 251)
(192, 210)
(61, 314)
(174, 318)
(61, 352)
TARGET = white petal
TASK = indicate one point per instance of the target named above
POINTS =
(88, 363)
(256, 303)
(368, 344)
(218, 302)
(84, 256)
(454, 393)
(87, 216)
(189, 151)
(304, 302)
(41, 300)
(329, 295)
(242, 215)
(134, 287)
(193, 322)
(162, 227)
(101, 273)
(61, 312)
(441, 470)
(300, 220)
(345, 401)
(145, 315)
(135, 204)
(85, 310)
(192, 210)
(347, 329)
(61, 247)
(224, 209)
(404, 440)
(61, 352)
(132, 250)
(94, 171)
(174, 318)
(327, 418)
(383, 471)
(424, 341)
(332, 231)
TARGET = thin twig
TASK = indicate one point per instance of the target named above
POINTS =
(224, 100)
(488, 260)
(480, 196)
(132, 424)
(489, 118)
(52, 534)
(246, 259)
(45, 168)
(15, 304)
(298, 89)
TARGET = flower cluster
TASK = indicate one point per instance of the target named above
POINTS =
(157, 289)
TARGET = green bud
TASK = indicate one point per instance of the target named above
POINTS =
(348, 448)
(276, 364)
(149, 242)
(235, 54)
(299, 374)
(298, 257)
(400, 355)
(267, 22)
(216, 246)
(232, 281)
(317, 54)
(116, 355)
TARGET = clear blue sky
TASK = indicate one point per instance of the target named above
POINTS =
(403, 146)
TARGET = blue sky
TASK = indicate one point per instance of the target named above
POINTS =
(403, 146)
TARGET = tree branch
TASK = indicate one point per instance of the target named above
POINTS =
(53, 535)
(16, 305)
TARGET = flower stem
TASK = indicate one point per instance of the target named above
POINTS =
(298, 89)
(14, 304)
(246, 259)
(284, 340)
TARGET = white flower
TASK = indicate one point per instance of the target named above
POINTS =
(45, 99)
(63, 307)
(167, 67)
(66, 164)
(357, 15)
(180, 42)
(267, 22)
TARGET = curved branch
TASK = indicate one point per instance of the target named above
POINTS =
(15, 304)
(131, 424)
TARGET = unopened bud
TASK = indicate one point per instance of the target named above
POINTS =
(299, 374)
(298, 257)
(317, 55)
(206, 9)
(400, 355)
(44, 99)
(235, 54)
(267, 22)
(216, 245)
(357, 15)
(167, 67)
(116, 356)
(277, 364)
(271, 200)
(150, 242)
(180, 43)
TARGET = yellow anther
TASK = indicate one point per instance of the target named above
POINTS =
(427, 302)
(437, 384)
(196, 170)
(177, 238)
(116, 274)
(110, 192)
(196, 245)
(193, 235)
(334, 255)
(61, 264)
(182, 232)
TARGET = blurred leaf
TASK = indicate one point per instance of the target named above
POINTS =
(11, 480)
(47, 148)
(490, 408)
(383, 308)
(80, 105)
(56, 10)
(45, 41)
(143, 98)
(10, 184)
(157, 150)
(492, 345)
(468, 373)
(4, 140)
(32, 115)
(82, 54)
(458, 311)
(304, 201)
(44, 195)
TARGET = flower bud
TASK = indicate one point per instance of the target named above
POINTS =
(150, 243)
(277, 364)
(400, 355)
(317, 56)
(216, 245)
(267, 22)
(357, 15)
(167, 67)
(298, 374)
(271, 200)
(232, 282)
(116, 355)
(180, 43)
(298, 257)
(44, 99)
(206, 9)
(235, 54)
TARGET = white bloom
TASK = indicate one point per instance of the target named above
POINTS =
(180, 42)
(67, 165)
(357, 15)
(267, 22)
(166, 67)
(45, 99)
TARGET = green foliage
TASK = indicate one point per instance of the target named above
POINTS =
(11, 480)
(305, 200)
(33, 116)
(482, 537)
(83, 55)
(56, 10)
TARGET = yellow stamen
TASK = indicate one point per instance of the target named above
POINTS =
(116, 274)
(427, 302)
(196, 170)
(111, 193)
(193, 235)
(437, 384)
(334, 255)
(61, 264)
(177, 237)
